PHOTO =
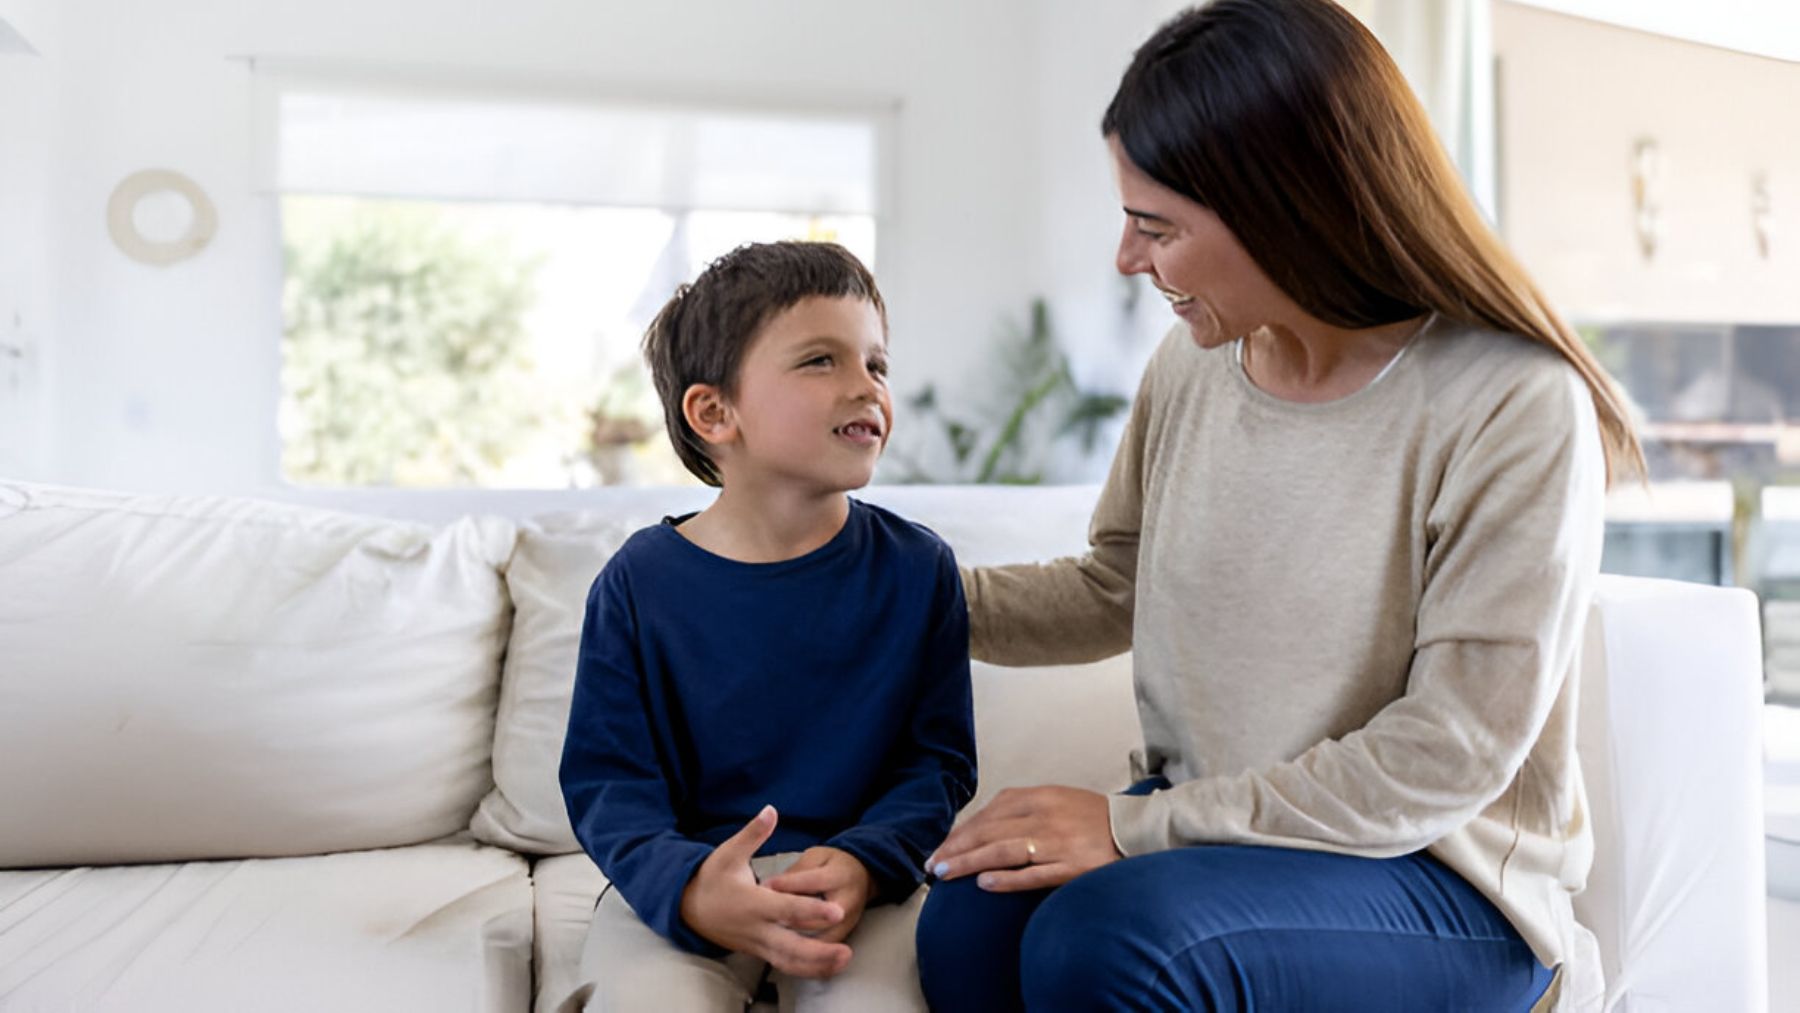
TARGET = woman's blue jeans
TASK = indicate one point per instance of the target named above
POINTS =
(1228, 928)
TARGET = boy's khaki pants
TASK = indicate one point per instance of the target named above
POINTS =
(627, 968)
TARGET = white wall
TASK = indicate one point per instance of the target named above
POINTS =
(1762, 27)
(1572, 124)
(167, 377)
(1111, 324)
(25, 118)
(32, 21)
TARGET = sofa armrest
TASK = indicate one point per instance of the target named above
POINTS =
(1670, 739)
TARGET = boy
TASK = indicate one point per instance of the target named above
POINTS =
(772, 725)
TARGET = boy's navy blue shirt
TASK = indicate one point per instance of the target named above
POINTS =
(834, 686)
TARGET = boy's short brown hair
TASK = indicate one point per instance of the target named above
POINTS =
(702, 332)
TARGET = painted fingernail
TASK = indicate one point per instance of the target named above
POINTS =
(985, 881)
(941, 870)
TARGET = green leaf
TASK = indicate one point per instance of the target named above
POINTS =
(962, 440)
(1088, 413)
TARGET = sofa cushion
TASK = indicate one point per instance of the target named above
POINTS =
(1074, 725)
(558, 557)
(429, 927)
(565, 889)
(191, 678)
(554, 563)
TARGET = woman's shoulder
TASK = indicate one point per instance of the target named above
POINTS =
(1490, 388)
(1479, 369)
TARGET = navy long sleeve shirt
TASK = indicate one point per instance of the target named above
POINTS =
(834, 686)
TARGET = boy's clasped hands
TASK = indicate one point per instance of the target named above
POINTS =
(796, 921)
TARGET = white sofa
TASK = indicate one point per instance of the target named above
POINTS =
(268, 757)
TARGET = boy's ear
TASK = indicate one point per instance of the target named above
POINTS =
(708, 414)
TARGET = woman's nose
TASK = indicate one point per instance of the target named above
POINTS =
(1131, 258)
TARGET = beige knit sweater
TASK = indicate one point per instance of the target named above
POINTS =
(1355, 623)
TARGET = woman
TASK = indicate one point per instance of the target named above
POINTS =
(1350, 536)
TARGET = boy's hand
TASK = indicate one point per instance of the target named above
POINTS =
(725, 904)
(835, 875)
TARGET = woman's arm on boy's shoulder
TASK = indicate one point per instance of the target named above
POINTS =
(614, 785)
(1078, 608)
(932, 769)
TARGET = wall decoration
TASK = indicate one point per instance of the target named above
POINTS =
(1762, 214)
(121, 217)
(1646, 194)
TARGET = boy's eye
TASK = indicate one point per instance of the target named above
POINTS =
(878, 366)
(818, 360)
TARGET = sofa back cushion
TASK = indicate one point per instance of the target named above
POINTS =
(1058, 725)
(190, 678)
(553, 565)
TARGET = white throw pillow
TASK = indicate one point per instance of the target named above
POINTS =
(189, 678)
(555, 562)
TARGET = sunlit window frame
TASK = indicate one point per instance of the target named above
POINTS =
(272, 78)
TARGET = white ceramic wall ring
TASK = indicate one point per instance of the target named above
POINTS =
(122, 221)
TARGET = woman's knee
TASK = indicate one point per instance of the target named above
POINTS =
(968, 945)
(948, 921)
(1225, 928)
(1081, 947)
(1121, 938)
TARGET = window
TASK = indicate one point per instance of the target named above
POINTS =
(468, 276)
(1718, 409)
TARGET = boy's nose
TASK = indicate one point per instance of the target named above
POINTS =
(866, 387)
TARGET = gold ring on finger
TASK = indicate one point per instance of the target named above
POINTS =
(1030, 851)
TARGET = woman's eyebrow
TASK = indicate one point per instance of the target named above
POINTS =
(1147, 216)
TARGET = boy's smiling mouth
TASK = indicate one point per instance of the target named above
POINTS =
(862, 431)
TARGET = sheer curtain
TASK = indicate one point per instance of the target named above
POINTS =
(1445, 48)
(368, 135)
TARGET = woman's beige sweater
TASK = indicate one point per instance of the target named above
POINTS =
(1355, 624)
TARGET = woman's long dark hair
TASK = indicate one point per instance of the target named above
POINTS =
(1289, 121)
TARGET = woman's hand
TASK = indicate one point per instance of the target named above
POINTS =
(1029, 839)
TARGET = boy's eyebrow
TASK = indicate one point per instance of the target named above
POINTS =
(1147, 216)
(807, 344)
